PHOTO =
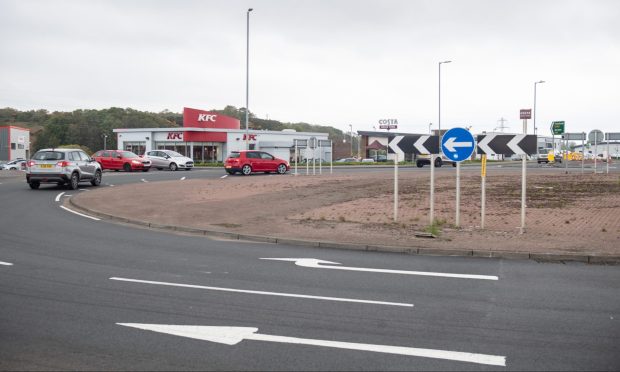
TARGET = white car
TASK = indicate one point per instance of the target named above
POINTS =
(14, 165)
(172, 160)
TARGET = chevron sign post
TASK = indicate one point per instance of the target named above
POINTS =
(413, 144)
(507, 144)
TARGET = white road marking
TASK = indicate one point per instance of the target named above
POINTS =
(6, 263)
(143, 180)
(234, 335)
(224, 176)
(59, 195)
(79, 214)
(314, 263)
(111, 185)
(182, 178)
(262, 292)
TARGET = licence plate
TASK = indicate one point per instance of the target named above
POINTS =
(45, 165)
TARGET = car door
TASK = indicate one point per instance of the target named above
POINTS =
(254, 160)
(157, 159)
(268, 162)
(87, 165)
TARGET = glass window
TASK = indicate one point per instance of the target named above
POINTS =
(12, 146)
(49, 155)
(266, 156)
(252, 155)
(83, 156)
(234, 155)
(74, 156)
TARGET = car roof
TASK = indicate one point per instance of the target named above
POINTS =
(60, 150)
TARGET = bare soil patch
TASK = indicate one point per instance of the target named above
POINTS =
(566, 213)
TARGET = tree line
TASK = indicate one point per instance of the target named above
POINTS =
(89, 128)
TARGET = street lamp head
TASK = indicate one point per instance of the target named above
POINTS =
(250, 9)
(540, 82)
(445, 62)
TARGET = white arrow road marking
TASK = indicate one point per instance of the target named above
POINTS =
(234, 335)
(79, 214)
(262, 292)
(224, 176)
(451, 144)
(59, 196)
(182, 178)
(313, 262)
(6, 263)
(143, 180)
(419, 145)
(484, 144)
(513, 144)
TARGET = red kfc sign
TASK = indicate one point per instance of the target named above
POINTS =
(175, 136)
(249, 137)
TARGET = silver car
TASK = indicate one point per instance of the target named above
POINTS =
(14, 165)
(172, 160)
(62, 166)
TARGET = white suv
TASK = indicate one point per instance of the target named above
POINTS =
(62, 166)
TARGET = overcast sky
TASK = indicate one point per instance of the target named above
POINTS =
(325, 62)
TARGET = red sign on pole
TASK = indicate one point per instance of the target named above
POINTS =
(526, 113)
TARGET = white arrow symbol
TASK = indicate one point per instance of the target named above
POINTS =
(451, 144)
(513, 144)
(6, 263)
(419, 145)
(234, 335)
(484, 144)
(393, 144)
(313, 262)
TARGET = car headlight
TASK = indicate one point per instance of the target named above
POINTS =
(136, 162)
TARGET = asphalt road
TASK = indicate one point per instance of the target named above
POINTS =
(72, 280)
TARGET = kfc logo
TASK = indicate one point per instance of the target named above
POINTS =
(207, 117)
(175, 136)
(249, 137)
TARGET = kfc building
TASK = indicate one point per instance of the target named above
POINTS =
(14, 143)
(211, 137)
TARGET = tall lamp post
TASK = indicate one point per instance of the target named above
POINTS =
(537, 82)
(439, 122)
(432, 209)
(247, 77)
(351, 126)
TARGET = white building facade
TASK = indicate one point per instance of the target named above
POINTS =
(211, 137)
(14, 143)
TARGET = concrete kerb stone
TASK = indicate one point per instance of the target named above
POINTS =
(543, 257)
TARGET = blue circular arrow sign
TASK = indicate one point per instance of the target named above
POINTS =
(457, 144)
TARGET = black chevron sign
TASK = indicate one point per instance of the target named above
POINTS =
(507, 144)
(414, 144)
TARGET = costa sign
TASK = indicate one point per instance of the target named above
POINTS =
(388, 123)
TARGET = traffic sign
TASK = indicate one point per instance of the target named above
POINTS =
(413, 144)
(595, 136)
(612, 136)
(457, 144)
(507, 144)
(525, 113)
(574, 136)
(557, 127)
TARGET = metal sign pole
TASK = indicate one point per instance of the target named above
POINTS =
(607, 157)
(320, 158)
(523, 180)
(458, 195)
(395, 187)
(307, 161)
(566, 153)
(583, 151)
(595, 150)
(432, 212)
(295, 157)
(331, 157)
(483, 174)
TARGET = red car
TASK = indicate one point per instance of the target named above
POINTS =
(247, 162)
(121, 160)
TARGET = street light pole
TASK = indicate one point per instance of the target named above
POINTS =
(439, 122)
(537, 82)
(105, 138)
(351, 126)
(247, 77)
(432, 157)
(430, 130)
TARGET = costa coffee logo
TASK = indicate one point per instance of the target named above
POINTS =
(175, 136)
(249, 137)
(207, 117)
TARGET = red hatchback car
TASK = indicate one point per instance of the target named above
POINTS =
(121, 160)
(247, 162)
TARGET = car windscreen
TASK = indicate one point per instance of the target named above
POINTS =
(49, 155)
(234, 155)
(128, 154)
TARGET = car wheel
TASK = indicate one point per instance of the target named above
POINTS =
(34, 185)
(173, 167)
(438, 163)
(246, 170)
(127, 167)
(281, 169)
(97, 180)
(145, 170)
(454, 164)
(74, 181)
(419, 164)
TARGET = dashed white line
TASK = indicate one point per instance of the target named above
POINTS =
(143, 180)
(224, 176)
(263, 292)
(6, 263)
(79, 214)
(182, 178)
